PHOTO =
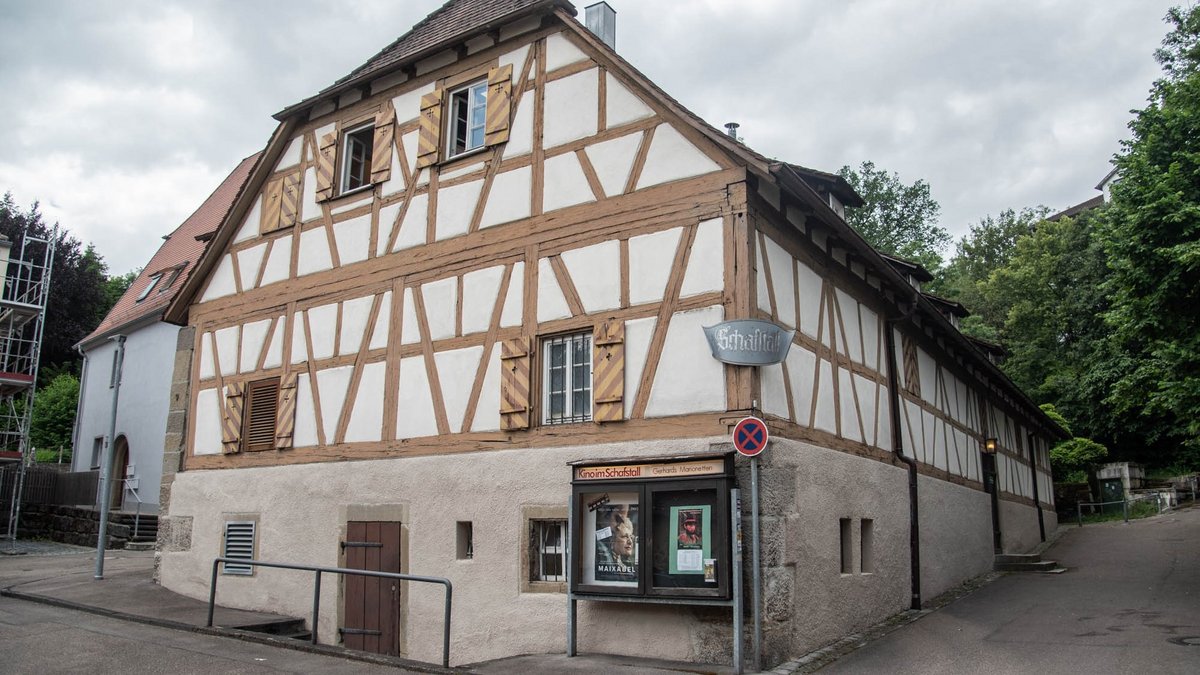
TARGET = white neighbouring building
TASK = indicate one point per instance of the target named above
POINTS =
(462, 296)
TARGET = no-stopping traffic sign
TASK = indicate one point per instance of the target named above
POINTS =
(750, 436)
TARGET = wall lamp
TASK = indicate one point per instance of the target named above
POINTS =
(989, 446)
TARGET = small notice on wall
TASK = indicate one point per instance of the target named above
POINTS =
(692, 542)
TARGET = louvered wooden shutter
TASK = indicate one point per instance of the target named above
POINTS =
(271, 203)
(608, 371)
(514, 384)
(430, 130)
(326, 158)
(381, 153)
(285, 414)
(231, 421)
(499, 101)
(262, 400)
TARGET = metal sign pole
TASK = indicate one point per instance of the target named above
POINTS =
(735, 498)
(107, 468)
(756, 573)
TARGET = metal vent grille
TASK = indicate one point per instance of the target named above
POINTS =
(239, 543)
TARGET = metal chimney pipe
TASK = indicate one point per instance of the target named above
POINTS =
(602, 20)
(731, 129)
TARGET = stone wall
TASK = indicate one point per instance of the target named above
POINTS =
(175, 533)
(70, 525)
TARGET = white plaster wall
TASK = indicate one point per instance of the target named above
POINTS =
(314, 252)
(142, 406)
(596, 273)
(571, 106)
(412, 229)
(673, 157)
(782, 283)
(621, 106)
(291, 154)
(561, 52)
(249, 228)
(565, 183)
(956, 534)
(809, 286)
(279, 261)
(455, 206)
(688, 378)
(509, 198)
(208, 422)
(651, 257)
(706, 262)
(353, 238)
(221, 283)
(249, 261)
(456, 372)
(612, 161)
(551, 304)
(479, 298)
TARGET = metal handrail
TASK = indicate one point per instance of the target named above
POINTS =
(137, 516)
(1079, 509)
(212, 591)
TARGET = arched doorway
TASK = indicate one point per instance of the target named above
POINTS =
(119, 466)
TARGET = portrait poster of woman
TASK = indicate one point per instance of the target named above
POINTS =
(612, 525)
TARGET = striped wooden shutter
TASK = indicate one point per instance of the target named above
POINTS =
(912, 375)
(515, 360)
(289, 204)
(381, 153)
(608, 371)
(326, 158)
(499, 101)
(285, 414)
(271, 203)
(430, 129)
(231, 420)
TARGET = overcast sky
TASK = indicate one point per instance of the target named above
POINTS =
(120, 117)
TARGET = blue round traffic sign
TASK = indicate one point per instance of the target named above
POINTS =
(750, 436)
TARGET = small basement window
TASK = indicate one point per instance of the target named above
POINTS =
(464, 544)
(357, 144)
(262, 400)
(549, 559)
(567, 379)
(866, 560)
(239, 543)
(847, 541)
(468, 116)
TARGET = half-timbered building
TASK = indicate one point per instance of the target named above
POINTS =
(489, 253)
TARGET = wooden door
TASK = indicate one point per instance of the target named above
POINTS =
(371, 604)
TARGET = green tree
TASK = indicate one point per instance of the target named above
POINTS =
(898, 219)
(1153, 243)
(53, 416)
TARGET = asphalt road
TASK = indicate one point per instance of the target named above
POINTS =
(1129, 603)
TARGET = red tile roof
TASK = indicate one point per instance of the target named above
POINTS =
(180, 248)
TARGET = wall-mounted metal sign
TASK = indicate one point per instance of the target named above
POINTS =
(749, 342)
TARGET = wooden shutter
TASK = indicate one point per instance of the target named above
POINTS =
(499, 101)
(912, 373)
(289, 203)
(285, 414)
(608, 371)
(515, 360)
(326, 159)
(271, 202)
(430, 130)
(231, 421)
(381, 152)
(262, 399)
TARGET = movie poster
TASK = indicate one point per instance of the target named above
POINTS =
(612, 519)
(691, 543)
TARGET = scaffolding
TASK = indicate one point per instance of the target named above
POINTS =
(26, 289)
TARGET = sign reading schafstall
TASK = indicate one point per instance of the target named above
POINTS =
(673, 470)
(749, 342)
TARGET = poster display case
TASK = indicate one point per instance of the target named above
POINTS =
(652, 527)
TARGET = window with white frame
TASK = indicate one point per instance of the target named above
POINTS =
(357, 145)
(549, 550)
(567, 379)
(468, 116)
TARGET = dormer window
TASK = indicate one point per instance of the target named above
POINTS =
(468, 117)
(356, 157)
(154, 279)
(914, 282)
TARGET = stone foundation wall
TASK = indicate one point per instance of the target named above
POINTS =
(69, 525)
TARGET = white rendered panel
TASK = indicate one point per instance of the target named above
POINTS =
(314, 252)
(207, 366)
(933, 439)
(408, 104)
(208, 423)
(274, 357)
(291, 154)
(366, 417)
(825, 419)
(848, 322)
(782, 267)
(227, 349)
(415, 417)
(561, 52)
(410, 332)
(322, 322)
(395, 181)
(304, 433)
(802, 365)
(353, 239)
(870, 338)
(883, 432)
(456, 373)
(570, 108)
(487, 410)
(441, 307)
(279, 261)
(612, 161)
(309, 208)
(849, 412)
(927, 368)
(621, 106)
(455, 206)
(638, 333)
(387, 222)
(355, 314)
(379, 333)
(249, 228)
(509, 198)
(514, 302)
(774, 394)
(596, 272)
(515, 58)
(412, 230)
(688, 379)
(253, 336)
(867, 405)
(565, 183)
(249, 260)
(809, 284)
(673, 157)
(520, 130)
(706, 263)
(762, 290)
(651, 257)
(333, 383)
(479, 298)
(299, 343)
(550, 301)
(221, 282)
(410, 155)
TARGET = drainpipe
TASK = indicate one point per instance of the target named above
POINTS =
(1033, 470)
(107, 468)
(914, 527)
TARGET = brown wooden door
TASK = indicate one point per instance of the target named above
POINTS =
(372, 605)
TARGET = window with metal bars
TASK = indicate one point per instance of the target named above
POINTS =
(549, 550)
(239, 543)
(567, 381)
(258, 430)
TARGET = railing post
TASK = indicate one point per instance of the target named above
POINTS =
(212, 592)
(1079, 513)
(1125, 509)
(446, 628)
(316, 604)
